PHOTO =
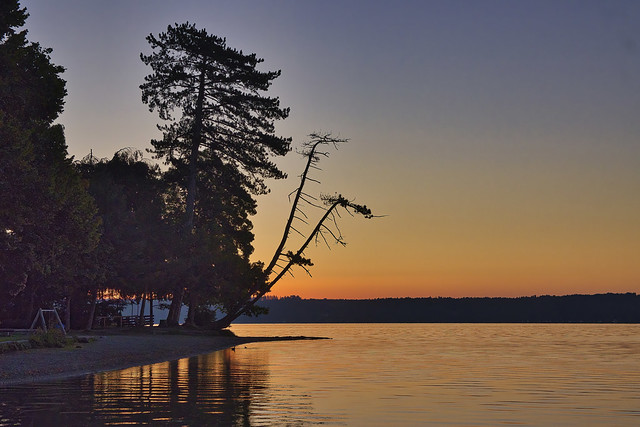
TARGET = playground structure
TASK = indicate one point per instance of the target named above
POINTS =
(54, 320)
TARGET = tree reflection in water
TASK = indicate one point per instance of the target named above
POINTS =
(224, 387)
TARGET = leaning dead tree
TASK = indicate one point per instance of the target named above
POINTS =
(326, 230)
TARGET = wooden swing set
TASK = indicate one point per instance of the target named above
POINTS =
(40, 317)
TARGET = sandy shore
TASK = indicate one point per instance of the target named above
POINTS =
(111, 352)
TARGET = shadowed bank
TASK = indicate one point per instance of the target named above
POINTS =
(110, 352)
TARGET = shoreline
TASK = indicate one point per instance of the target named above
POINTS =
(112, 352)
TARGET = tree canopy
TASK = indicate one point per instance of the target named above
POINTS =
(225, 117)
(47, 219)
(219, 148)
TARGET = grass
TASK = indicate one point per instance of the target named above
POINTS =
(14, 338)
(13, 343)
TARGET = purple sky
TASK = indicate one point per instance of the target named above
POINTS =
(501, 137)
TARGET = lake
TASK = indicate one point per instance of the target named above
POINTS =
(367, 374)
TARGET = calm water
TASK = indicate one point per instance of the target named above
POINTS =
(380, 374)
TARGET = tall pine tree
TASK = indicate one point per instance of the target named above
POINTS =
(225, 130)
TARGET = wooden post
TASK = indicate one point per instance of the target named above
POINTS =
(151, 309)
(35, 320)
(59, 322)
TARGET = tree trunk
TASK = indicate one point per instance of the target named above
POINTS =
(225, 322)
(193, 306)
(29, 311)
(173, 318)
(233, 315)
(192, 185)
(92, 310)
(67, 315)
(311, 156)
(142, 307)
(196, 139)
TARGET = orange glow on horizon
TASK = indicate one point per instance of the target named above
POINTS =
(407, 287)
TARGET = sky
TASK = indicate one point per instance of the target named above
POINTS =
(499, 139)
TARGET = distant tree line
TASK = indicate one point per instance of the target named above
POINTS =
(598, 308)
(72, 232)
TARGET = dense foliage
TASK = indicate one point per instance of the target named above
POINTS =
(48, 221)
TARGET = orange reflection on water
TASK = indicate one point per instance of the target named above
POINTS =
(219, 388)
(368, 374)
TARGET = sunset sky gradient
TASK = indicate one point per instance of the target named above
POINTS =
(500, 138)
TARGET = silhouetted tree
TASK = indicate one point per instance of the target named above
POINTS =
(325, 230)
(226, 125)
(220, 255)
(137, 244)
(47, 219)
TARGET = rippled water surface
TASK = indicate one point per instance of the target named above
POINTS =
(368, 374)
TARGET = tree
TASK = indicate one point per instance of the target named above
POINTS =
(221, 249)
(136, 241)
(225, 117)
(326, 229)
(225, 131)
(47, 219)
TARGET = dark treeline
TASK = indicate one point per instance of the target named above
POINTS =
(74, 231)
(599, 308)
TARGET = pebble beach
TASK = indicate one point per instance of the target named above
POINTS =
(110, 352)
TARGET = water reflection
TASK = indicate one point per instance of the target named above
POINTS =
(212, 389)
(368, 374)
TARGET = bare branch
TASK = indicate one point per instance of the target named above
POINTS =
(331, 213)
(306, 270)
(300, 219)
(297, 231)
(313, 180)
(302, 213)
(338, 238)
(310, 203)
(310, 151)
(289, 195)
(335, 223)
(321, 234)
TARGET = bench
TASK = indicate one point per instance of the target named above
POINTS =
(103, 322)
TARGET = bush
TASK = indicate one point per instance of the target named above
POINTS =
(204, 316)
(51, 338)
